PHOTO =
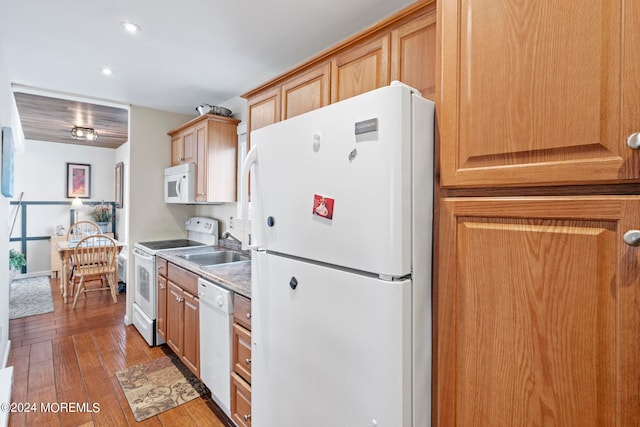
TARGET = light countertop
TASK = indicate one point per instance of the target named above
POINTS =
(234, 276)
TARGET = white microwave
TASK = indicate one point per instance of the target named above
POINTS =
(180, 183)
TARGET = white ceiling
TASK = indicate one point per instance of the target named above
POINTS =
(189, 52)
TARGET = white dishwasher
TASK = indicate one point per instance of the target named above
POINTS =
(216, 312)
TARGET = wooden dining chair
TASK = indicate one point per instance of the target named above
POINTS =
(95, 257)
(77, 231)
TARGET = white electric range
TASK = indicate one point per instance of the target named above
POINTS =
(203, 231)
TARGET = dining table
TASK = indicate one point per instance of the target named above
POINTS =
(66, 250)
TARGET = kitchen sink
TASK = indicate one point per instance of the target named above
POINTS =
(214, 258)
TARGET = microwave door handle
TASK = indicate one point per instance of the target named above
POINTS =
(252, 159)
(179, 188)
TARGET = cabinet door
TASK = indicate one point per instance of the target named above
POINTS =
(162, 307)
(200, 135)
(191, 343)
(537, 312)
(188, 145)
(264, 110)
(176, 149)
(630, 80)
(242, 352)
(360, 70)
(240, 401)
(307, 92)
(175, 316)
(413, 54)
(222, 161)
(532, 93)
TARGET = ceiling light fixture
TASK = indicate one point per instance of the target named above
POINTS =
(107, 71)
(89, 134)
(130, 27)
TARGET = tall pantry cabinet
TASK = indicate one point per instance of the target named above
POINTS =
(537, 299)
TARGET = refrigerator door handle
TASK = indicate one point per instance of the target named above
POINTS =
(252, 159)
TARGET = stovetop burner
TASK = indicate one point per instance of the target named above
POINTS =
(170, 244)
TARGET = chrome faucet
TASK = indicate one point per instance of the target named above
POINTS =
(227, 234)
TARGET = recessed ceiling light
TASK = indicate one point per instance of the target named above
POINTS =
(130, 27)
(107, 71)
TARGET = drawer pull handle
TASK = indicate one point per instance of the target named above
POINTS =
(632, 237)
(247, 417)
(247, 361)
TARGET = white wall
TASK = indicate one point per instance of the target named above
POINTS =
(6, 108)
(40, 172)
(149, 153)
(122, 216)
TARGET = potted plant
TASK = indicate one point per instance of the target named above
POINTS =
(17, 260)
(101, 215)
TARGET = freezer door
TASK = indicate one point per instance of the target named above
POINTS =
(334, 185)
(330, 348)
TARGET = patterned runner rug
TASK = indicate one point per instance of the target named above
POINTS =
(159, 385)
(29, 297)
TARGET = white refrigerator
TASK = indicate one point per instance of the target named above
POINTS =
(341, 232)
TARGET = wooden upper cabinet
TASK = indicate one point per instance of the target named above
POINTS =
(213, 147)
(538, 93)
(264, 110)
(413, 54)
(360, 69)
(537, 312)
(306, 92)
(217, 162)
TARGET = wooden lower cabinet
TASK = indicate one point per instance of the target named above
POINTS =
(182, 317)
(191, 324)
(241, 375)
(537, 308)
(240, 401)
(242, 352)
(175, 314)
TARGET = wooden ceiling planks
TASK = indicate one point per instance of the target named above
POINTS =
(51, 119)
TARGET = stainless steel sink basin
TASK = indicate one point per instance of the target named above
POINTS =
(214, 258)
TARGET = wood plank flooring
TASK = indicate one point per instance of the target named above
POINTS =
(71, 356)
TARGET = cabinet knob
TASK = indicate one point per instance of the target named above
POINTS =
(248, 315)
(179, 299)
(634, 141)
(247, 417)
(162, 286)
(632, 237)
(247, 361)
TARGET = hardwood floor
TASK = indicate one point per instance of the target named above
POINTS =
(71, 356)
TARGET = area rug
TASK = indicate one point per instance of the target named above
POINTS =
(159, 385)
(29, 297)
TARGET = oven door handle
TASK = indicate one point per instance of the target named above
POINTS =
(139, 254)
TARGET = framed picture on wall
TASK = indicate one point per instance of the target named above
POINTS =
(7, 162)
(78, 180)
(119, 184)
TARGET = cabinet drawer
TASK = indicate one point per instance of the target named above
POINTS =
(242, 310)
(242, 352)
(183, 278)
(162, 267)
(240, 401)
